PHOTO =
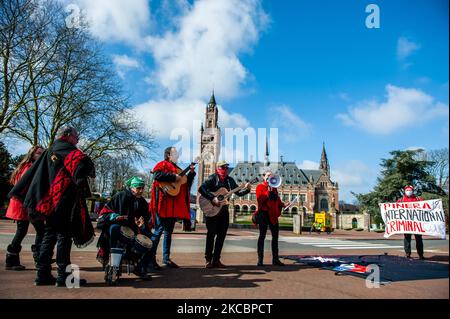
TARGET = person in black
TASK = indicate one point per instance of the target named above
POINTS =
(126, 208)
(217, 226)
(55, 188)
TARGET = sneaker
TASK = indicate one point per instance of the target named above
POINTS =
(277, 262)
(260, 264)
(209, 264)
(408, 256)
(218, 264)
(422, 257)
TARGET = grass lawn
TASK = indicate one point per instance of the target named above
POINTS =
(247, 220)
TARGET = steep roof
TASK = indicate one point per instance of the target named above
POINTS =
(290, 174)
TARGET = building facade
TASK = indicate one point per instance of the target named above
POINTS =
(315, 190)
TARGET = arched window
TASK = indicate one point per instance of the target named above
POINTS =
(244, 209)
(252, 208)
(354, 223)
(294, 210)
(237, 208)
(324, 204)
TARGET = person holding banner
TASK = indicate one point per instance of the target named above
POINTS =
(410, 197)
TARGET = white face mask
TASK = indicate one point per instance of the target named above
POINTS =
(409, 193)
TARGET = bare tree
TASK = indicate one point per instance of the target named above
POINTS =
(53, 75)
(439, 167)
(25, 52)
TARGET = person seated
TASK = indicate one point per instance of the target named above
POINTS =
(125, 231)
(313, 228)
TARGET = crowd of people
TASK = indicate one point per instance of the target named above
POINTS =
(50, 187)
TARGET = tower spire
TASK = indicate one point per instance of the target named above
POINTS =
(212, 100)
(324, 165)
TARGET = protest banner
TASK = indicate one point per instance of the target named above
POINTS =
(423, 218)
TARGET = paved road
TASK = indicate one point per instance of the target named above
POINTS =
(247, 243)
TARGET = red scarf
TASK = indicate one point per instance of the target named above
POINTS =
(222, 172)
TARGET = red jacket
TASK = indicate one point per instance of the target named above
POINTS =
(410, 199)
(167, 206)
(15, 209)
(264, 204)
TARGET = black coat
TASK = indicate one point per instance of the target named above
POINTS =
(55, 187)
(213, 183)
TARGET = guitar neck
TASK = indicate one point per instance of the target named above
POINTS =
(237, 189)
(186, 169)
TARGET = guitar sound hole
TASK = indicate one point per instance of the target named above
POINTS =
(220, 197)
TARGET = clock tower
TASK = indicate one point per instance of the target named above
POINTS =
(209, 143)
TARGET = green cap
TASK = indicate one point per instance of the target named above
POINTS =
(222, 163)
(135, 182)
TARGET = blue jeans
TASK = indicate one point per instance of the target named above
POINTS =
(166, 226)
(115, 236)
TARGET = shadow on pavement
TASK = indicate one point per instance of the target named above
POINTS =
(392, 268)
(195, 277)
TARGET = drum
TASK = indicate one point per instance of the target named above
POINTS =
(141, 244)
(127, 234)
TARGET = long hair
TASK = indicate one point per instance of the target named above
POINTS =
(27, 159)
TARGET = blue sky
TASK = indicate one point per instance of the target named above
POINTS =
(311, 68)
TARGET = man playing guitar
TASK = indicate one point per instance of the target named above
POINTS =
(217, 226)
(166, 209)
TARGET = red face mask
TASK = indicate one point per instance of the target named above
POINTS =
(222, 172)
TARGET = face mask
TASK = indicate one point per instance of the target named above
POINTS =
(408, 193)
(222, 172)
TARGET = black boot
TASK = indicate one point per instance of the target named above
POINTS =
(35, 250)
(62, 276)
(141, 271)
(44, 277)
(46, 280)
(260, 260)
(277, 262)
(13, 258)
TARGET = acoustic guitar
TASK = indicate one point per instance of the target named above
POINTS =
(222, 194)
(173, 188)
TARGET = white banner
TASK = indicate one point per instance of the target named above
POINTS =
(424, 218)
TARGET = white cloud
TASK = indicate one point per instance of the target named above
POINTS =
(124, 63)
(166, 115)
(406, 48)
(353, 176)
(202, 52)
(307, 164)
(290, 125)
(116, 20)
(403, 108)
